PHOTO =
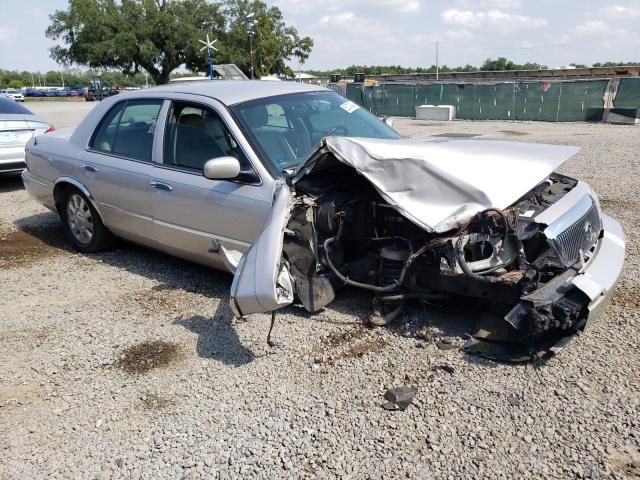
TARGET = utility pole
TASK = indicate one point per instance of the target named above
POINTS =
(33, 83)
(437, 64)
(251, 51)
(249, 22)
(62, 75)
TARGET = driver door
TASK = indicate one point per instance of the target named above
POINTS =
(195, 217)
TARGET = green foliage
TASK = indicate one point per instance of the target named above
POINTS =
(75, 78)
(273, 41)
(160, 35)
(389, 70)
(501, 63)
(617, 64)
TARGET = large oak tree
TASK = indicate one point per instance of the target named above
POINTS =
(160, 35)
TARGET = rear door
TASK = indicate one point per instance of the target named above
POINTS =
(118, 164)
(208, 221)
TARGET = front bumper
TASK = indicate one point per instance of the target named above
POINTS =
(564, 306)
(600, 276)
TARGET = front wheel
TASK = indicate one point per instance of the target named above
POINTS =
(83, 224)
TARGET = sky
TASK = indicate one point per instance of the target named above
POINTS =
(403, 32)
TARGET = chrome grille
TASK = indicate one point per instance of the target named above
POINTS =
(580, 235)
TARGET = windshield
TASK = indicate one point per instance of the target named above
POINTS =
(286, 127)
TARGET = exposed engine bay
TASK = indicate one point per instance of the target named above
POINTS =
(485, 224)
(341, 232)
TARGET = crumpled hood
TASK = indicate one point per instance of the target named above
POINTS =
(439, 183)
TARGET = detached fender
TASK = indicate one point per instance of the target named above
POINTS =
(262, 282)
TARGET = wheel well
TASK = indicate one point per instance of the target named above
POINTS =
(58, 193)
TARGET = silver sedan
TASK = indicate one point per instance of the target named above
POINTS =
(17, 126)
(299, 191)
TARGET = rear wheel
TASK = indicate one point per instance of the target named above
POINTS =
(83, 224)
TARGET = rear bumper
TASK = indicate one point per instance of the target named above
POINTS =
(39, 189)
(12, 159)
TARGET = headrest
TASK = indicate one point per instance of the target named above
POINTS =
(192, 120)
(256, 116)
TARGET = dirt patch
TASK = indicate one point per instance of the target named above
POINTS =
(155, 402)
(373, 345)
(353, 342)
(338, 338)
(615, 204)
(22, 248)
(627, 296)
(626, 462)
(18, 394)
(146, 356)
(513, 133)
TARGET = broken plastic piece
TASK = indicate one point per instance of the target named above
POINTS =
(445, 345)
(399, 398)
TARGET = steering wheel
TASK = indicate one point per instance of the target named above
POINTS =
(335, 129)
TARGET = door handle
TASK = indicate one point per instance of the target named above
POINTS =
(162, 186)
(90, 168)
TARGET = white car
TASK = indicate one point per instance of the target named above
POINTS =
(13, 94)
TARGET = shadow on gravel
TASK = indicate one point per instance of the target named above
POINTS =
(217, 337)
(10, 183)
(22, 248)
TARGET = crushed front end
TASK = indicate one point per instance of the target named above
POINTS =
(537, 269)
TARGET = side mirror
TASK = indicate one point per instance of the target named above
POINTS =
(388, 121)
(221, 168)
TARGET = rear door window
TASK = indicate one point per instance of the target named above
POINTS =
(134, 135)
(128, 129)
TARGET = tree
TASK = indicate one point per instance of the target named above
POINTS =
(160, 35)
(502, 63)
(274, 42)
(302, 50)
(129, 35)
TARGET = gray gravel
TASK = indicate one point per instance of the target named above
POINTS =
(83, 396)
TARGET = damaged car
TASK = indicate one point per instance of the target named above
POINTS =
(299, 192)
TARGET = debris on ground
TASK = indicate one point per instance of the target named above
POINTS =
(399, 398)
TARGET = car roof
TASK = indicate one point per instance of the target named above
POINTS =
(231, 92)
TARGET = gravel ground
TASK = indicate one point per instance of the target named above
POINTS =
(129, 364)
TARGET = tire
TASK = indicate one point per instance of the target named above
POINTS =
(83, 224)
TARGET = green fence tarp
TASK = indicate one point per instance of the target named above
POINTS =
(569, 101)
(627, 101)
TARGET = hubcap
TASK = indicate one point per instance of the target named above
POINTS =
(79, 219)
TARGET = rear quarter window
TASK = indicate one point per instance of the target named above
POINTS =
(9, 106)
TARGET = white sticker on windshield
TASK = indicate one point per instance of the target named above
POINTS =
(349, 107)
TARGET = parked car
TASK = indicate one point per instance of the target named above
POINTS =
(17, 126)
(15, 94)
(34, 92)
(299, 191)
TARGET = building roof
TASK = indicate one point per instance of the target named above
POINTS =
(231, 92)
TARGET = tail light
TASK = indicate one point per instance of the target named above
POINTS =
(50, 129)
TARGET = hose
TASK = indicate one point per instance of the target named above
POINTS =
(347, 280)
